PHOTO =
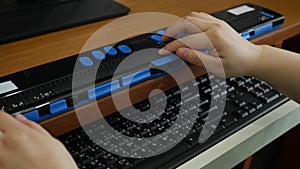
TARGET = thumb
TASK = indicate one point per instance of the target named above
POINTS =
(210, 63)
(31, 124)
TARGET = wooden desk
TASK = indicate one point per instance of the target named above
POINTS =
(23, 54)
(27, 53)
(34, 51)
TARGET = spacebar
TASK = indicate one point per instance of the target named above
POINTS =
(157, 161)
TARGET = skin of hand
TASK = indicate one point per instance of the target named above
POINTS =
(238, 57)
(218, 38)
(26, 145)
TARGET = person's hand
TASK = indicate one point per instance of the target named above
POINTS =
(225, 46)
(26, 145)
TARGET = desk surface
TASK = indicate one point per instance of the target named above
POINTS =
(23, 54)
(34, 51)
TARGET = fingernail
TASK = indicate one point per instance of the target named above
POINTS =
(163, 51)
(20, 117)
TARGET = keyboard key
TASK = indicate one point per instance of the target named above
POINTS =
(239, 81)
(217, 129)
(256, 92)
(257, 105)
(124, 164)
(228, 120)
(248, 87)
(269, 96)
(230, 89)
(153, 162)
(250, 109)
(193, 139)
(241, 113)
(264, 88)
(136, 161)
(239, 103)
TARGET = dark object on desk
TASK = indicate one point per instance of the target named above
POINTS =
(247, 100)
(251, 20)
(41, 97)
(25, 18)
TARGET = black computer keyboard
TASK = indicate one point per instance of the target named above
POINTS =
(247, 99)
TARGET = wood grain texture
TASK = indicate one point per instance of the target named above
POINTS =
(27, 53)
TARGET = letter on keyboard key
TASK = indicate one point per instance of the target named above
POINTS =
(241, 113)
(228, 120)
(269, 96)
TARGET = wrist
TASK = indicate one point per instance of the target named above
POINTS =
(256, 62)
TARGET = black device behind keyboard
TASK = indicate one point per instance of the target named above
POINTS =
(41, 97)
(247, 99)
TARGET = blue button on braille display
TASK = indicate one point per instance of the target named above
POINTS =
(204, 51)
(33, 115)
(124, 49)
(86, 61)
(161, 32)
(156, 38)
(104, 89)
(98, 55)
(111, 51)
(164, 60)
(136, 77)
(58, 106)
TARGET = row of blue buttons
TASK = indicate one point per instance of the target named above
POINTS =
(130, 79)
(55, 108)
(115, 85)
(97, 92)
(111, 51)
(99, 55)
(107, 88)
(104, 89)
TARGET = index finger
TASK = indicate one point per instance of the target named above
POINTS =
(186, 26)
(180, 26)
(7, 122)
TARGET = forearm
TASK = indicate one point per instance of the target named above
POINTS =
(281, 69)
